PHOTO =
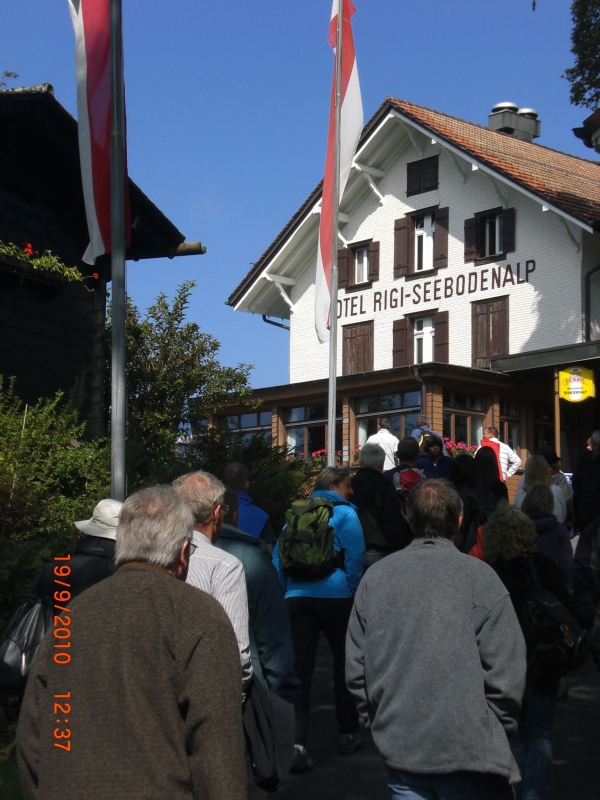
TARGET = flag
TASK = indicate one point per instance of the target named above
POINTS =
(91, 22)
(350, 128)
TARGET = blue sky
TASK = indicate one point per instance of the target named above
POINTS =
(227, 106)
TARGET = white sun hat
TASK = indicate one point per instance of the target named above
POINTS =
(104, 520)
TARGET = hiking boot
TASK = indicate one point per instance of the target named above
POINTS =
(301, 762)
(348, 743)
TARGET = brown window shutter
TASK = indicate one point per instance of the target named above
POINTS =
(429, 178)
(499, 327)
(508, 223)
(441, 343)
(489, 334)
(440, 242)
(344, 267)
(357, 348)
(400, 343)
(470, 239)
(413, 178)
(374, 261)
(403, 229)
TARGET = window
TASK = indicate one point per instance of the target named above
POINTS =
(250, 423)
(489, 332)
(357, 348)
(489, 235)
(422, 176)
(420, 340)
(424, 233)
(402, 409)
(509, 423)
(421, 242)
(358, 264)
(311, 436)
(463, 417)
(424, 328)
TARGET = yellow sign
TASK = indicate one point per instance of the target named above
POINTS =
(576, 384)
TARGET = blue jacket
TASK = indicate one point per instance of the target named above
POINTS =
(439, 470)
(348, 536)
(251, 518)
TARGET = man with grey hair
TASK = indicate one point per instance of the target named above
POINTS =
(387, 441)
(125, 683)
(215, 571)
(377, 507)
(441, 679)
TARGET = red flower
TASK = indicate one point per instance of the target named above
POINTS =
(95, 276)
(27, 248)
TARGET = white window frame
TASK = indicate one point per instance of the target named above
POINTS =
(496, 222)
(361, 265)
(424, 339)
(424, 225)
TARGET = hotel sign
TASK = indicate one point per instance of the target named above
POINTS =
(576, 384)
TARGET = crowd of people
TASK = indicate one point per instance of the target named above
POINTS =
(416, 570)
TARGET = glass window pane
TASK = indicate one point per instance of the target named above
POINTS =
(367, 405)
(395, 426)
(460, 428)
(411, 399)
(447, 400)
(339, 437)
(447, 426)
(460, 401)
(316, 438)
(410, 423)
(294, 414)
(316, 412)
(248, 420)
(389, 401)
(295, 440)
(477, 403)
(339, 408)
(476, 430)
(366, 428)
(513, 435)
(513, 408)
(419, 354)
(264, 418)
(233, 421)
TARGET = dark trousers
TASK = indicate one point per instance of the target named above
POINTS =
(309, 616)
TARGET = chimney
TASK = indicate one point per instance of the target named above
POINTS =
(522, 123)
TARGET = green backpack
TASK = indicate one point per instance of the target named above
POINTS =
(306, 543)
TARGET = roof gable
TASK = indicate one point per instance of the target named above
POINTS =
(568, 184)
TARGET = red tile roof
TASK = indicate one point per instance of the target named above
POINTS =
(570, 183)
(567, 182)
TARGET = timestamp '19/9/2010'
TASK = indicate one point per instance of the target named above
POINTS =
(62, 646)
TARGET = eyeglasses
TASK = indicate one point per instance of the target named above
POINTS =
(225, 508)
(192, 548)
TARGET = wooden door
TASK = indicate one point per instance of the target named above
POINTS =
(489, 332)
(357, 352)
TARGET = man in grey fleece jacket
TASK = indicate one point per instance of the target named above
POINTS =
(435, 658)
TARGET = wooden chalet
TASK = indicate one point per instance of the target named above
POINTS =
(51, 330)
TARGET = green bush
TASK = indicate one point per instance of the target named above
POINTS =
(49, 477)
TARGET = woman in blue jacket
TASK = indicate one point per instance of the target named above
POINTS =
(324, 604)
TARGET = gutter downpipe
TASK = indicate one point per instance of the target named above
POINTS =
(277, 324)
(420, 380)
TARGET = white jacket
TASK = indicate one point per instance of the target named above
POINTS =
(509, 460)
(386, 440)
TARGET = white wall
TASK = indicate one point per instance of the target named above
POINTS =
(544, 312)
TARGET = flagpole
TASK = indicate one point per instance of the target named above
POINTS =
(331, 399)
(117, 217)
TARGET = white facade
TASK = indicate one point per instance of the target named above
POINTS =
(543, 277)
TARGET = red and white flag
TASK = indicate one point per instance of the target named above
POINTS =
(350, 129)
(91, 22)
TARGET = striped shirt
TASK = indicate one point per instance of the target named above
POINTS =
(222, 575)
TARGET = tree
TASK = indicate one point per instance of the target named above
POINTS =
(584, 77)
(7, 75)
(173, 376)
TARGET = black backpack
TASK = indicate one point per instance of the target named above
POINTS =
(306, 543)
(556, 642)
(22, 635)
